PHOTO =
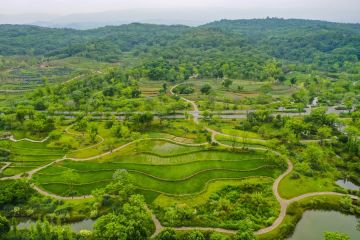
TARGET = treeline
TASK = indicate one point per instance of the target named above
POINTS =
(237, 48)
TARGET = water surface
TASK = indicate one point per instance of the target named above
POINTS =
(86, 224)
(347, 184)
(314, 223)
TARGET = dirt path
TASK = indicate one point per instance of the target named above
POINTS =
(132, 142)
(12, 138)
(72, 79)
(15, 91)
(42, 192)
(7, 164)
(195, 113)
(214, 132)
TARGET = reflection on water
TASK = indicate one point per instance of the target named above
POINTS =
(86, 224)
(313, 224)
(347, 184)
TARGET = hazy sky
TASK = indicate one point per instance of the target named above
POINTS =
(62, 7)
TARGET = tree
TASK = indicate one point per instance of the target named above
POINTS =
(293, 81)
(335, 236)
(323, 133)
(314, 155)
(4, 225)
(93, 132)
(143, 120)
(246, 231)
(164, 88)
(110, 227)
(122, 184)
(194, 235)
(240, 88)
(218, 236)
(82, 124)
(71, 177)
(130, 222)
(15, 192)
(272, 70)
(227, 83)
(349, 102)
(205, 89)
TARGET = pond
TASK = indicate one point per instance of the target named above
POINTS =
(347, 184)
(86, 224)
(314, 223)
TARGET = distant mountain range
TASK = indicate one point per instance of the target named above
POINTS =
(190, 17)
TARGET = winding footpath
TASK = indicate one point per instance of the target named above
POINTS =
(12, 138)
(195, 113)
(284, 203)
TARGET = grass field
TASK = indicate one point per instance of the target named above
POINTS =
(290, 188)
(239, 142)
(158, 166)
(28, 155)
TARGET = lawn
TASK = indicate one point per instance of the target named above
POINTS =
(178, 170)
(290, 188)
(26, 155)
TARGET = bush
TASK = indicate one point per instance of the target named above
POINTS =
(4, 225)
(167, 234)
(194, 235)
(295, 175)
(184, 89)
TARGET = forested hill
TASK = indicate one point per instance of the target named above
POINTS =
(24, 39)
(243, 45)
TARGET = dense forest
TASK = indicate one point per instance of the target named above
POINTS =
(234, 48)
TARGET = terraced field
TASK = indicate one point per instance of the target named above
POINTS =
(158, 167)
(26, 156)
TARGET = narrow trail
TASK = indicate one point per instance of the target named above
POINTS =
(15, 90)
(132, 142)
(7, 164)
(195, 113)
(12, 138)
(284, 203)
(42, 192)
(214, 132)
(72, 79)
